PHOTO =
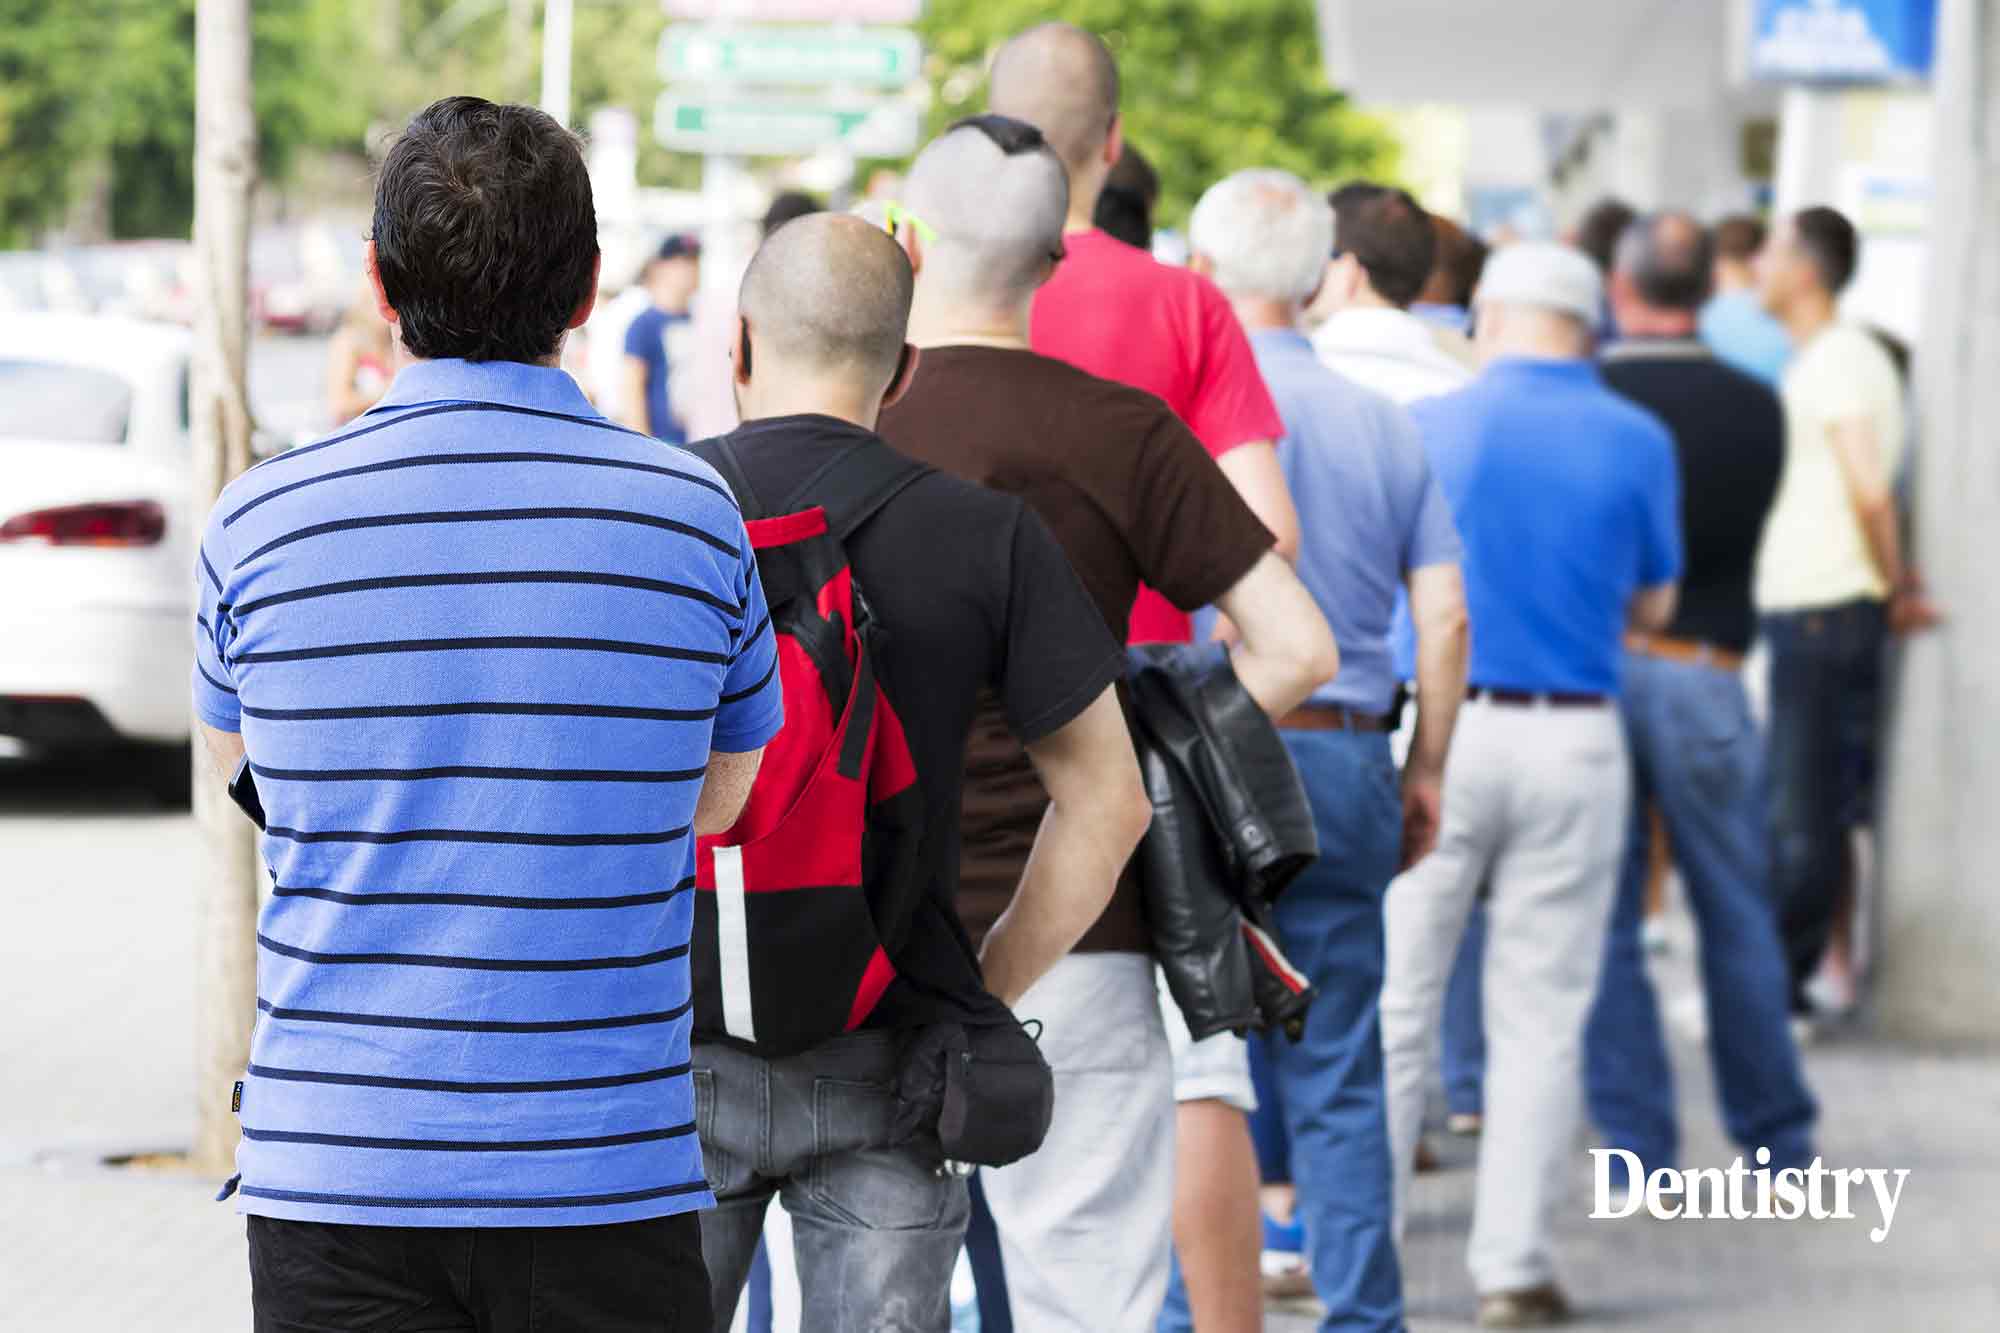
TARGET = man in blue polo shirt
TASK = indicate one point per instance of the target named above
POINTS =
(1373, 520)
(1568, 501)
(495, 661)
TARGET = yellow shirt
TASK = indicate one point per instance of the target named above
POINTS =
(1814, 552)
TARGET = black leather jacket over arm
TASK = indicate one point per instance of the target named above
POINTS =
(1231, 828)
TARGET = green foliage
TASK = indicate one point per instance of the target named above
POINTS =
(96, 87)
(1210, 86)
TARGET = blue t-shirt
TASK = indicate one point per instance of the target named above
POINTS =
(1743, 334)
(1568, 500)
(1369, 510)
(647, 338)
(479, 645)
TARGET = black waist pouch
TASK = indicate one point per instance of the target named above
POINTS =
(983, 1091)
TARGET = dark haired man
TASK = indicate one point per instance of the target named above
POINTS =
(974, 599)
(1383, 251)
(1696, 753)
(1114, 312)
(1734, 323)
(495, 661)
(656, 342)
(1831, 580)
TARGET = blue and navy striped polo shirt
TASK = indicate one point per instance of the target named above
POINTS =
(479, 644)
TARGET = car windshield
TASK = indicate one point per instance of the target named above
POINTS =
(40, 400)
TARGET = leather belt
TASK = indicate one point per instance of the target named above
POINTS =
(1692, 652)
(1529, 698)
(1331, 717)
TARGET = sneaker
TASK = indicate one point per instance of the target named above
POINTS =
(1530, 1307)
(1283, 1263)
(1465, 1124)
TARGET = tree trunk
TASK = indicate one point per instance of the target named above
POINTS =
(1941, 918)
(219, 420)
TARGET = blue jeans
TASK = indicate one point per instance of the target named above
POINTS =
(1695, 752)
(1327, 1087)
(875, 1229)
(1826, 702)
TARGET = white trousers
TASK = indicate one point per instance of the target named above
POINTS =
(1535, 806)
(1086, 1222)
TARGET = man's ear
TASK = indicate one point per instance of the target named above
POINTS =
(581, 315)
(382, 306)
(906, 371)
(739, 350)
(913, 246)
(1114, 142)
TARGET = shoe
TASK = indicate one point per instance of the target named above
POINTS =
(1530, 1307)
(1283, 1263)
(1465, 1124)
(1427, 1161)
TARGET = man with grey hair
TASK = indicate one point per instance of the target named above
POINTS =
(1696, 753)
(1112, 310)
(993, 610)
(1373, 520)
(1567, 499)
(1083, 1223)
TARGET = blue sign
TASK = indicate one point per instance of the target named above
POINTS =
(1843, 41)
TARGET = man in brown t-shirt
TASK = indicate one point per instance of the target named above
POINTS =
(1131, 496)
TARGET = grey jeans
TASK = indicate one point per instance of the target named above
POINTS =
(875, 1229)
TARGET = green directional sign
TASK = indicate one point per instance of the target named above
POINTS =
(761, 126)
(875, 57)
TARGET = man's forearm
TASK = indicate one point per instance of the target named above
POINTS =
(1884, 535)
(1072, 869)
(1441, 668)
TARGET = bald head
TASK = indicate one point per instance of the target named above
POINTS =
(997, 215)
(1667, 258)
(829, 293)
(1062, 80)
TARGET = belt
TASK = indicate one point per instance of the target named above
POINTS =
(1529, 698)
(1331, 717)
(1692, 652)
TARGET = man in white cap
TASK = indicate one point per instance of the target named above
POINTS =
(1567, 499)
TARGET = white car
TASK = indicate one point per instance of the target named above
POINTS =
(97, 539)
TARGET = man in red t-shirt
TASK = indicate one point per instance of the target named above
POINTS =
(1115, 312)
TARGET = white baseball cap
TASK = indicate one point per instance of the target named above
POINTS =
(1543, 273)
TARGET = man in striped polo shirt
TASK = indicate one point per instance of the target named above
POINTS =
(495, 661)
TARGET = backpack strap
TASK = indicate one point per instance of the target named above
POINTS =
(720, 454)
(856, 483)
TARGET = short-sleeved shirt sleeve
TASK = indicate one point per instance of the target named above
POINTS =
(1660, 528)
(1178, 490)
(752, 708)
(1059, 655)
(214, 684)
(1230, 404)
(1432, 536)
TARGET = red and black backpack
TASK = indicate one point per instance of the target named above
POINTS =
(800, 907)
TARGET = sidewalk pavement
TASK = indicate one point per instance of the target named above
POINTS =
(96, 991)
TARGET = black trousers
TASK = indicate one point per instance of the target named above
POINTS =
(319, 1277)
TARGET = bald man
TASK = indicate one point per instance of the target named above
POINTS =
(968, 592)
(1111, 310)
(1122, 483)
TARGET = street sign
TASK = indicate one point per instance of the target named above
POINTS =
(796, 11)
(1843, 41)
(696, 124)
(882, 57)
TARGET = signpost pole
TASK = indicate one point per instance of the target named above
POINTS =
(558, 26)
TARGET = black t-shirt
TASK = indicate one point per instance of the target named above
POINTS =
(1729, 438)
(971, 592)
